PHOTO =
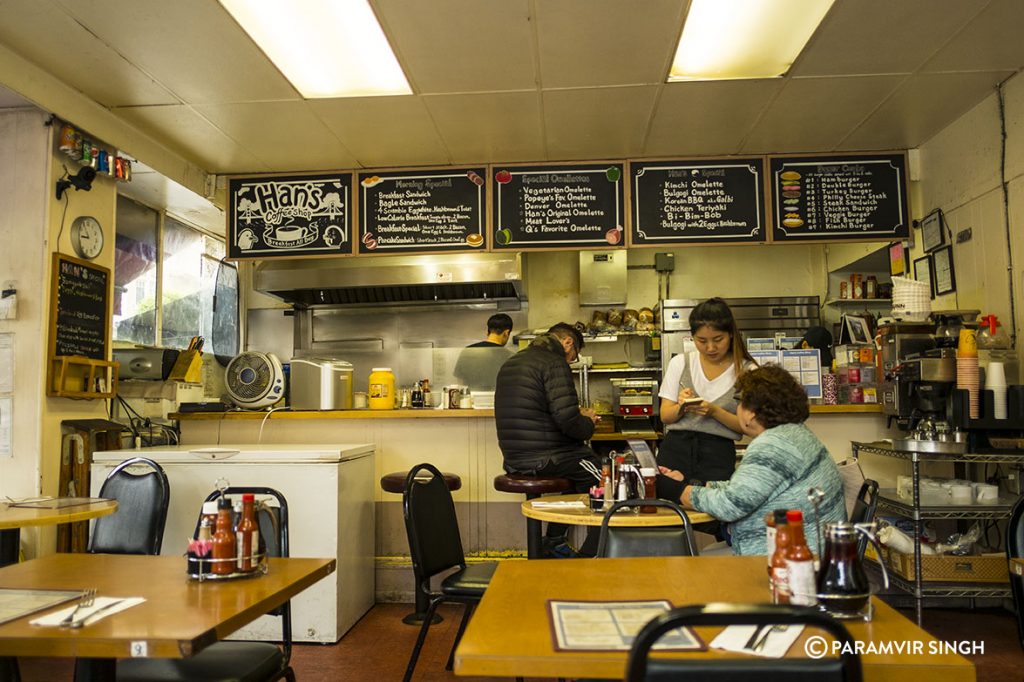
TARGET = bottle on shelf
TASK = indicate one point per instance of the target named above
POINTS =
(223, 540)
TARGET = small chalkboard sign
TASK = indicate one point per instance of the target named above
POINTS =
(563, 206)
(80, 323)
(697, 201)
(422, 211)
(855, 197)
(289, 216)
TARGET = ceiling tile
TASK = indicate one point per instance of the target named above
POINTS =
(490, 127)
(450, 46)
(193, 47)
(815, 114)
(707, 118)
(185, 131)
(992, 42)
(612, 42)
(45, 35)
(882, 36)
(597, 123)
(921, 107)
(383, 131)
(286, 136)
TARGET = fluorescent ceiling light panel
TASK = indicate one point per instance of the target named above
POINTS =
(731, 39)
(326, 48)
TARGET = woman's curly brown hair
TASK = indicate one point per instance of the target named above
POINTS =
(773, 395)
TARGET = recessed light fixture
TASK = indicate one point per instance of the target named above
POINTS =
(326, 48)
(744, 38)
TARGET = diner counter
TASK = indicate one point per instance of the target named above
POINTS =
(431, 413)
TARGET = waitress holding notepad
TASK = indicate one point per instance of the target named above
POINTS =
(698, 406)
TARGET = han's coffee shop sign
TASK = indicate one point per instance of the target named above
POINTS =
(290, 216)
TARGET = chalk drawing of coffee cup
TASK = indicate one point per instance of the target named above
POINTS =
(290, 233)
(246, 239)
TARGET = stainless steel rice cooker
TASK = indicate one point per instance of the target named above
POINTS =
(320, 384)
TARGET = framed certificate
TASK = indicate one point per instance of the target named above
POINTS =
(933, 234)
(923, 272)
(944, 274)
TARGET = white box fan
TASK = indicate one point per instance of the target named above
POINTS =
(254, 380)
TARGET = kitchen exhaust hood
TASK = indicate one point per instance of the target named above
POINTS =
(395, 280)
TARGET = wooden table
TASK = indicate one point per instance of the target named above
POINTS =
(510, 635)
(1017, 566)
(179, 618)
(585, 517)
(13, 519)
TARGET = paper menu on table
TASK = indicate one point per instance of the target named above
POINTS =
(612, 626)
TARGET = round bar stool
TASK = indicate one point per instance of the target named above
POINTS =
(531, 486)
(395, 483)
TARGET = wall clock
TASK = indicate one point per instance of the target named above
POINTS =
(87, 237)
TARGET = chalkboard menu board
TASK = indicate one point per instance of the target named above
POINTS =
(288, 216)
(818, 198)
(572, 206)
(80, 323)
(422, 211)
(705, 201)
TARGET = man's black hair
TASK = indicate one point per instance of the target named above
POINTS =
(496, 324)
(563, 329)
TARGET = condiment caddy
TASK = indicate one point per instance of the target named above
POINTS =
(235, 549)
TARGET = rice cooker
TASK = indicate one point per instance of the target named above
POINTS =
(320, 384)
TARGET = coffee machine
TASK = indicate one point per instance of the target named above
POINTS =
(925, 386)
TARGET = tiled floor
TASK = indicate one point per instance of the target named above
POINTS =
(377, 648)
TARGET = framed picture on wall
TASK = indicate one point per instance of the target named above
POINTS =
(944, 274)
(923, 272)
(933, 234)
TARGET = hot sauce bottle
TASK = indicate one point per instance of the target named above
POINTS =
(779, 569)
(800, 563)
(247, 535)
(223, 540)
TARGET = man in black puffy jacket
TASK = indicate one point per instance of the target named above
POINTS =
(541, 428)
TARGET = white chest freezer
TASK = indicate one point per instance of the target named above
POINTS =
(330, 493)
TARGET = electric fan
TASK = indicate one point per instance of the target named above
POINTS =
(254, 380)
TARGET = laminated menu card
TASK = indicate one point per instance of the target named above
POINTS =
(612, 626)
(15, 603)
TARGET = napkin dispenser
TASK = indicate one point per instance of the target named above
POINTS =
(153, 364)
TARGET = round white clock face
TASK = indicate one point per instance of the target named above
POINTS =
(87, 237)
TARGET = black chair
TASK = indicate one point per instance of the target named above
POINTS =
(231, 661)
(1015, 550)
(643, 668)
(137, 527)
(864, 510)
(635, 541)
(436, 547)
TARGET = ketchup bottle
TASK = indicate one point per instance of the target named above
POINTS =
(779, 568)
(800, 563)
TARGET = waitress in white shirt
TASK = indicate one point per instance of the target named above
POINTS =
(698, 406)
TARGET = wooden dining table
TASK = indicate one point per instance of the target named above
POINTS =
(583, 516)
(179, 618)
(510, 632)
(14, 517)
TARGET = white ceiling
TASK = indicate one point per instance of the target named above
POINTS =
(518, 80)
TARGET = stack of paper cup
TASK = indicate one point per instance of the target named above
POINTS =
(967, 370)
(995, 381)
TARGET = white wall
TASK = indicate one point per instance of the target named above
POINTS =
(961, 175)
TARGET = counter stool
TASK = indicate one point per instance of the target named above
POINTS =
(395, 483)
(531, 486)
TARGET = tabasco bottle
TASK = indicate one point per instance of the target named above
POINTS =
(800, 563)
(779, 569)
(223, 540)
(772, 521)
(247, 535)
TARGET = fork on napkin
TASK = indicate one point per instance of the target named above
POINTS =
(100, 609)
(771, 641)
